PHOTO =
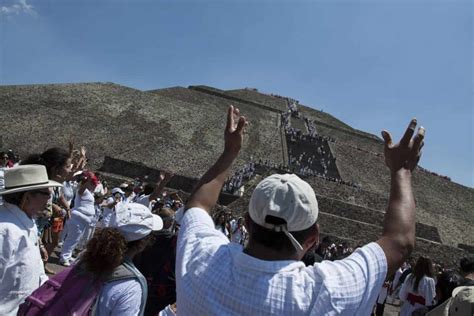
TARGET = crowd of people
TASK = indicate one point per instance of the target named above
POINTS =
(311, 155)
(425, 288)
(434, 173)
(308, 153)
(238, 179)
(78, 218)
(137, 248)
(233, 228)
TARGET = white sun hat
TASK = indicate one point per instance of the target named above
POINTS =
(135, 221)
(27, 178)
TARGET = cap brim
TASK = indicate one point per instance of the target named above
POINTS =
(459, 289)
(157, 223)
(50, 184)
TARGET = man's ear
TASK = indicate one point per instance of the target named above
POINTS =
(313, 239)
(247, 220)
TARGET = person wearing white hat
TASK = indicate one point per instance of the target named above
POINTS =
(127, 235)
(267, 277)
(26, 193)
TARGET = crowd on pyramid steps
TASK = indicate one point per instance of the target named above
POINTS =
(138, 248)
(235, 184)
(296, 135)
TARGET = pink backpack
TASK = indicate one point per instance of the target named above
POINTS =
(72, 291)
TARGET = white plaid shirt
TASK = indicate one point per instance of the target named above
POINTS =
(215, 277)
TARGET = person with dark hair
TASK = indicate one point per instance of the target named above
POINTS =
(128, 235)
(26, 193)
(4, 160)
(58, 165)
(104, 280)
(157, 264)
(221, 224)
(323, 248)
(447, 281)
(467, 269)
(418, 290)
(267, 277)
(152, 192)
(238, 232)
(82, 215)
(129, 194)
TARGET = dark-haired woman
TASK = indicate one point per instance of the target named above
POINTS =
(447, 281)
(222, 225)
(419, 289)
(50, 223)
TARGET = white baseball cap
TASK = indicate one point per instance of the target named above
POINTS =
(463, 301)
(135, 221)
(288, 197)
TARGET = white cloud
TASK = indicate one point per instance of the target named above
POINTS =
(16, 7)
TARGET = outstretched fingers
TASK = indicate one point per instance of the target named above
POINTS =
(415, 154)
(405, 141)
(387, 138)
(230, 119)
(418, 140)
(240, 126)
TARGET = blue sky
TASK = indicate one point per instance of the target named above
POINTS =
(373, 64)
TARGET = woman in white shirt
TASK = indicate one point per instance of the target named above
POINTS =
(221, 224)
(81, 216)
(419, 289)
(239, 233)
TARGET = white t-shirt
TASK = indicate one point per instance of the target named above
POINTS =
(129, 199)
(68, 190)
(121, 297)
(144, 200)
(107, 213)
(2, 182)
(99, 188)
(215, 277)
(426, 289)
(238, 233)
(84, 206)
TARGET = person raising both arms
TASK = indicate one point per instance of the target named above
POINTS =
(266, 277)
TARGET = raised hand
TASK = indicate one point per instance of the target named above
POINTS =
(407, 152)
(71, 147)
(234, 131)
(165, 176)
(83, 151)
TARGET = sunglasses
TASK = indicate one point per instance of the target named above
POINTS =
(43, 193)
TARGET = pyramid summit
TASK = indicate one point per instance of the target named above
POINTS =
(127, 131)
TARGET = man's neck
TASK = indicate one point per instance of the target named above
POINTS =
(263, 253)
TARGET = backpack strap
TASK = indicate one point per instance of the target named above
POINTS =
(141, 279)
(119, 273)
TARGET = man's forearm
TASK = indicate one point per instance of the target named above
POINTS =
(207, 191)
(399, 222)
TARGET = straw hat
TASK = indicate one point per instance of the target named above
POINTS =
(27, 178)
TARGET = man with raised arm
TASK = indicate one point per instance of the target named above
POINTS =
(216, 277)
